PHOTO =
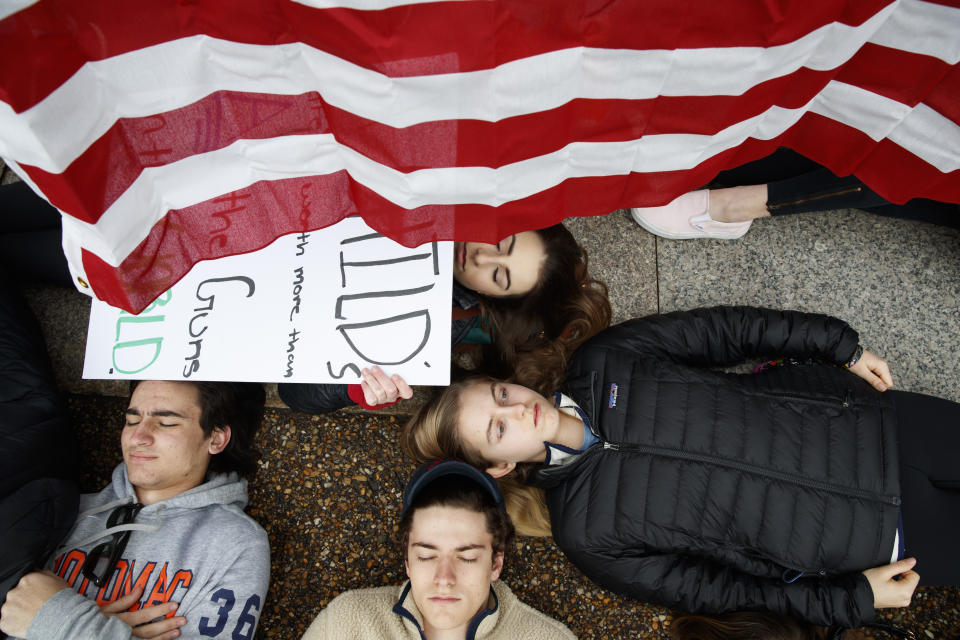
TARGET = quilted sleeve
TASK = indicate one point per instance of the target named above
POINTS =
(700, 585)
(721, 336)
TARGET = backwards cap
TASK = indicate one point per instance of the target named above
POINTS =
(435, 469)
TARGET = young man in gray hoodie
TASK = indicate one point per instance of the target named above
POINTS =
(165, 550)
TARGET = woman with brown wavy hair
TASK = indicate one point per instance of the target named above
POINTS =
(527, 298)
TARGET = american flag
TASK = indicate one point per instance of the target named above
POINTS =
(169, 132)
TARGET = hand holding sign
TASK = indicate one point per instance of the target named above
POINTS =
(378, 388)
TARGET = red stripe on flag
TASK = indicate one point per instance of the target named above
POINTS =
(238, 222)
(251, 218)
(93, 182)
(109, 166)
(899, 75)
(894, 173)
(945, 97)
(46, 43)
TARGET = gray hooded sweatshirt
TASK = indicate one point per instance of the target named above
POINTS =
(198, 549)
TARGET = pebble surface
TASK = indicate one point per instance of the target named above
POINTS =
(328, 493)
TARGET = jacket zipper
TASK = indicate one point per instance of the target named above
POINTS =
(749, 468)
(843, 402)
(833, 194)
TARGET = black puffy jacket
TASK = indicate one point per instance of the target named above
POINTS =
(711, 491)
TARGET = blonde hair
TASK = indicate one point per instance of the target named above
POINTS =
(432, 433)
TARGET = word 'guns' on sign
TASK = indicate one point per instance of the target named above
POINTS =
(311, 307)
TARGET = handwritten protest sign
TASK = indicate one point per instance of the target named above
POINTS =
(311, 307)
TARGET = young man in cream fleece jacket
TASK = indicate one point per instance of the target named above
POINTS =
(168, 537)
(454, 531)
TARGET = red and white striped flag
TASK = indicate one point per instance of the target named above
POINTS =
(170, 132)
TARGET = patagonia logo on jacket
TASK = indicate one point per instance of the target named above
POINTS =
(613, 396)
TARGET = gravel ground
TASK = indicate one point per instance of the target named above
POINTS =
(328, 493)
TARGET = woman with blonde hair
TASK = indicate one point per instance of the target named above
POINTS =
(791, 490)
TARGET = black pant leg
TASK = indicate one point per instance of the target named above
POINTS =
(38, 492)
(820, 190)
(929, 436)
(797, 184)
(22, 210)
(782, 164)
(945, 214)
(36, 439)
(30, 236)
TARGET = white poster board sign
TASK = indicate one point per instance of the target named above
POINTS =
(311, 307)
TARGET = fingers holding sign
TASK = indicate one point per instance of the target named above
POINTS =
(379, 388)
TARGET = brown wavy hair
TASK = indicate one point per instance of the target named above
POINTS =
(432, 433)
(535, 333)
(744, 625)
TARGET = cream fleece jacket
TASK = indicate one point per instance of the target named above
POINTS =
(389, 613)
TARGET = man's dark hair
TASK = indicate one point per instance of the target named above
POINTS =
(238, 404)
(463, 493)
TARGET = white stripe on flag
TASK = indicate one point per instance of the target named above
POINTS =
(127, 222)
(938, 25)
(168, 76)
(931, 136)
(920, 130)
(365, 5)
(10, 7)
